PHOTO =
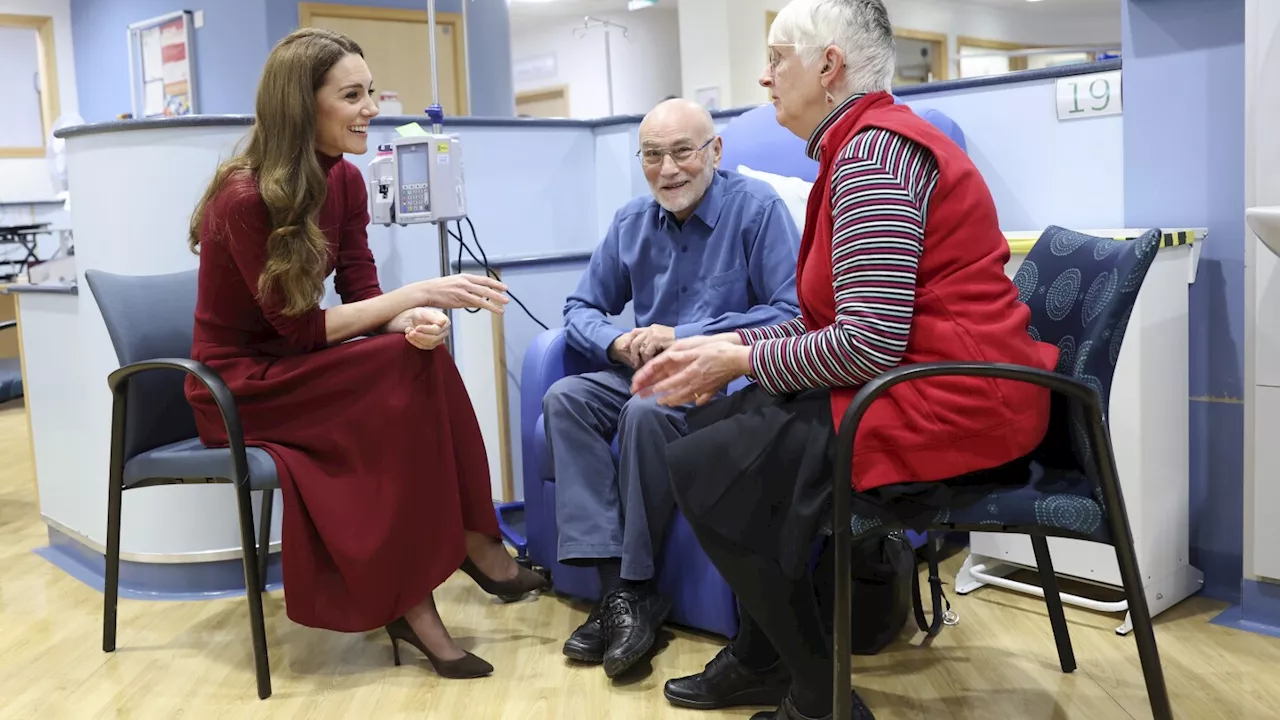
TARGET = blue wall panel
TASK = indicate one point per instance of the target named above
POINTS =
(1184, 166)
(230, 51)
(235, 40)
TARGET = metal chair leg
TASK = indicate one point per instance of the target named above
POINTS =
(257, 625)
(1130, 574)
(1143, 631)
(111, 585)
(264, 536)
(115, 491)
(1053, 599)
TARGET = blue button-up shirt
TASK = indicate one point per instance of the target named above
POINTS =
(730, 265)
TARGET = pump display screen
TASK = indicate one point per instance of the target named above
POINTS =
(414, 163)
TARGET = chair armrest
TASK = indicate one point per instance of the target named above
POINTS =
(8, 324)
(547, 359)
(1086, 395)
(1063, 384)
(118, 381)
(543, 365)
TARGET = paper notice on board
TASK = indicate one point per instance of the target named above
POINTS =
(151, 57)
(174, 72)
(411, 130)
(171, 33)
(153, 98)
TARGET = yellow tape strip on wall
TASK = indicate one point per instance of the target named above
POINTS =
(1020, 243)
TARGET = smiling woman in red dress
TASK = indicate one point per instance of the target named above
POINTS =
(383, 470)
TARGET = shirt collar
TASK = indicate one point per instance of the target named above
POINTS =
(708, 210)
(815, 140)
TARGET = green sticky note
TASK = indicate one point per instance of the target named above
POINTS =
(412, 129)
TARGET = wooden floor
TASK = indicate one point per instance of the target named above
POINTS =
(192, 659)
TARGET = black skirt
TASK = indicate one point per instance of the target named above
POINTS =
(756, 469)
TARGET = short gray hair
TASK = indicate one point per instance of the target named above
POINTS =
(860, 28)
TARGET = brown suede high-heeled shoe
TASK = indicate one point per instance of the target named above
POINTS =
(525, 581)
(467, 666)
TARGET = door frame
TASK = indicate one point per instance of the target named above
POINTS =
(1016, 64)
(307, 11)
(47, 67)
(549, 92)
(939, 62)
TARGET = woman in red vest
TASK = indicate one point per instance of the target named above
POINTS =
(902, 261)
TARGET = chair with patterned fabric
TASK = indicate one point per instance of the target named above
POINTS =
(1081, 290)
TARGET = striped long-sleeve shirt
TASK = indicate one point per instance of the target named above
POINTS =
(880, 188)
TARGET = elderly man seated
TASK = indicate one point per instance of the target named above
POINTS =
(711, 252)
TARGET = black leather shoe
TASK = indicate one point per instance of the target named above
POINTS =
(631, 623)
(788, 711)
(726, 682)
(587, 643)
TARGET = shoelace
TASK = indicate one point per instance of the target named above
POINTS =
(621, 603)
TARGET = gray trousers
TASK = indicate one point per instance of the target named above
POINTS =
(605, 511)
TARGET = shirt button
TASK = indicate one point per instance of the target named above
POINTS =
(684, 248)
(684, 289)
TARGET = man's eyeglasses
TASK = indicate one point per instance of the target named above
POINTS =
(681, 154)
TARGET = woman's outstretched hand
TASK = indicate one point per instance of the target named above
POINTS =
(464, 291)
(692, 373)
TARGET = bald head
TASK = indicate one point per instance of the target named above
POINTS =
(678, 114)
(680, 153)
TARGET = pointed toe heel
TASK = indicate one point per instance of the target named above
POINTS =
(525, 582)
(463, 668)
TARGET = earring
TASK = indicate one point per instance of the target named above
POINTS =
(830, 98)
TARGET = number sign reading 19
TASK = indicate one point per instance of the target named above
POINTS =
(1093, 95)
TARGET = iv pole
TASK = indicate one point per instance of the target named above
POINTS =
(588, 24)
(436, 113)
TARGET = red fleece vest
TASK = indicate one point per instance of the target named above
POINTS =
(966, 308)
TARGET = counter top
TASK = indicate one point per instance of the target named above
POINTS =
(20, 288)
(1020, 243)
(943, 86)
(388, 121)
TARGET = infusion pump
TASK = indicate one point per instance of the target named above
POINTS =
(417, 179)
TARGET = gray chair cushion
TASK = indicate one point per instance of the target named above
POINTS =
(190, 460)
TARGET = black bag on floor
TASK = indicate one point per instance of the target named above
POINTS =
(885, 589)
(883, 566)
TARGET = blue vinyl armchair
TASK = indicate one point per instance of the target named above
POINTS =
(700, 598)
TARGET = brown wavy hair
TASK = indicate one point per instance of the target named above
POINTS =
(280, 157)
